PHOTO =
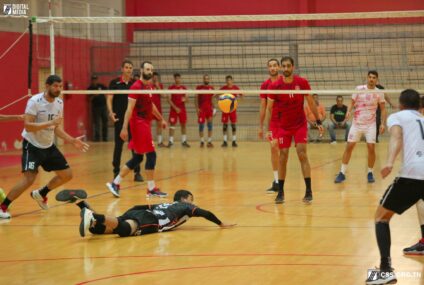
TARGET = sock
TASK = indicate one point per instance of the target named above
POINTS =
(369, 170)
(43, 192)
(308, 183)
(5, 204)
(343, 168)
(100, 219)
(234, 138)
(171, 139)
(151, 185)
(225, 138)
(280, 186)
(202, 139)
(275, 176)
(209, 139)
(117, 180)
(382, 231)
(422, 227)
(184, 138)
(159, 138)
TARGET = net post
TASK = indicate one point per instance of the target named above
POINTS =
(52, 49)
(30, 56)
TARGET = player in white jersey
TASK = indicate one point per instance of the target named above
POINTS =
(364, 123)
(43, 118)
(406, 129)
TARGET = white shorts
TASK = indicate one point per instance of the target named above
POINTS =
(356, 132)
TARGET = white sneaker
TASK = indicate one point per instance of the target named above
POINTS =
(42, 201)
(376, 277)
(87, 220)
(4, 215)
(333, 142)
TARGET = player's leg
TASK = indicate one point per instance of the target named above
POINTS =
(117, 150)
(173, 118)
(282, 170)
(347, 129)
(210, 130)
(353, 137)
(152, 190)
(104, 118)
(275, 153)
(224, 120)
(233, 119)
(201, 121)
(159, 133)
(183, 123)
(332, 132)
(418, 248)
(301, 150)
(96, 114)
(370, 137)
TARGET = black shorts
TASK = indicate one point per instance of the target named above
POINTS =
(146, 221)
(402, 194)
(50, 159)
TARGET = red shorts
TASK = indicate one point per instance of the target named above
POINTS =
(285, 137)
(274, 129)
(159, 107)
(174, 117)
(232, 116)
(141, 141)
(204, 115)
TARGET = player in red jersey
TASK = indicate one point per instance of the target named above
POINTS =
(292, 124)
(140, 112)
(230, 116)
(156, 98)
(205, 110)
(177, 111)
(273, 68)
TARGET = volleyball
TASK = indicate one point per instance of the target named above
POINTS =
(227, 103)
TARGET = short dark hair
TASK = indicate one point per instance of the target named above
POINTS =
(155, 73)
(410, 99)
(273, 59)
(339, 96)
(287, 58)
(180, 194)
(422, 101)
(126, 61)
(204, 75)
(177, 75)
(373, 72)
(228, 77)
(52, 79)
(145, 62)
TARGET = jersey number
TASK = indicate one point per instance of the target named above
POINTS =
(421, 128)
(50, 117)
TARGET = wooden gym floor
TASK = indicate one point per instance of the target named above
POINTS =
(329, 242)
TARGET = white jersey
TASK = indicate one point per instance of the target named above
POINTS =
(43, 111)
(412, 124)
(366, 105)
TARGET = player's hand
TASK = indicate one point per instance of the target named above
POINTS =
(382, 129)
(386, 170)
(164, 124)
(80, 145)
(20, 117)
(347, 117)
(113, 117)
(124, 134)
(226, 226)
(320, 130)
(261, 133)
(214, 111)
(56, 122)
(178, 110)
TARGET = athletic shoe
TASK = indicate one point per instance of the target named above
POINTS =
(42, 201)
(378, 276)
(113, 188)
(370, 177)
(333, 142)
(273, 189)
(308, 197)
(71, 196)
(4, 214)
(224, 144)
(202, 144)
(209, 144)
(340, 178)
(416, 249)
(161, 144)
(170, 144)
(185, 144)
(234, 144)
(138, 177)
(156, 193)
(280, 198)
(87, 221)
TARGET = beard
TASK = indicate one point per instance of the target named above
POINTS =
(147, 76)
(287, 73)
(54, 94)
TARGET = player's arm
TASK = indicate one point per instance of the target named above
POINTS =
(158, 115)
(196, 103)
(8, 118)
(388, 100)
(173, 106)
(395, 146)
(313, 108)
(77, 142)
(262, 110)
(31, 126)
(128, 113)
(383, 117)
(324, 115)
(349, 110)
(197, 212)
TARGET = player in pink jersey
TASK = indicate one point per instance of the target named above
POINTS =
(156, 98)
(178, 111)
(232, 117)
(292, 124)
(364, 123)
(205, 110)
(273, 68)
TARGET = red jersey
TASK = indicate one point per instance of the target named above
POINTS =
(234, 87)
(205, 100)
(177, 99)
(265, 86)
(289, 107)
(144, 104)
(156, 97)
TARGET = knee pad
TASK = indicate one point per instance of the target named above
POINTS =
(150, 160)
(134, 161)
(210, 126)
(233, 127)
(225, 127)
(98, 229)
(201, 127)
(123, 229)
